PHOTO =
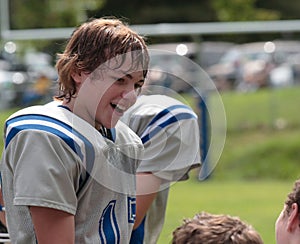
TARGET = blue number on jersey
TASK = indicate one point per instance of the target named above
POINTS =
(108, 227)
(131, 202)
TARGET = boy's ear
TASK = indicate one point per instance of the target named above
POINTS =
(293, 219)
(76, 77)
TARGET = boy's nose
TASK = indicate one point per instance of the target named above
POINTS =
(130, 95)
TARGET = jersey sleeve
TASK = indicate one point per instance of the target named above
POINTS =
(45, 171)
(171, 150)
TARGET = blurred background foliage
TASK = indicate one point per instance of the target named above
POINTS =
(27, 14)
(56, 13)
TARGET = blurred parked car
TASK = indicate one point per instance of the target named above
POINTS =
(12, 87)
(248, 66)
(293, 62)
(180, 66)
(19, 79)
(40, 63)
(210, 52)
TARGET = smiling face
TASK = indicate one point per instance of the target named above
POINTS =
(105, 94)
(118, 97)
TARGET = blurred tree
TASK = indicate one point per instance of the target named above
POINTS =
(288, 9)
(242, 10)
(69, 13)
(49, 13)
(31, 14)
(157, 11)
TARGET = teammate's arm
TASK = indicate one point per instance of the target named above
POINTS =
(53, 226)
(2, 213)
(147, 186)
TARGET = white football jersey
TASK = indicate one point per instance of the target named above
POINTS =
(169, 131)
(54, 159)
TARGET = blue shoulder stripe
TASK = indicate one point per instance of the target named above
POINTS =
(71, 143)
(22, 121)
(164, 124)
(57, 128)
(166, 111)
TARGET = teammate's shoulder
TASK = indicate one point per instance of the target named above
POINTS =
(161, 101)
(158, 99)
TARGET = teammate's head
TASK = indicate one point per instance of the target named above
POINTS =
(94, 43)
(215, 229)
(287, 226)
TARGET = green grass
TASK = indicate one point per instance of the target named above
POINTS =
(256, 202)
(261, 154)
(257, 168)
(263, 135)
(4, 114)
(265, 108)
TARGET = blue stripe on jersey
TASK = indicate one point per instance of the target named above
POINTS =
(138, 234)
(173, 119)
(15, 130)
(108, 227)
(27, 125)
(166, 111)
(131, 205)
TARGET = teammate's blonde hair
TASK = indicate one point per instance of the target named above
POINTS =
(208, 228)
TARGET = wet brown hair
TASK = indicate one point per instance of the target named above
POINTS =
(92, 44)
(293, 197)
(207, 228)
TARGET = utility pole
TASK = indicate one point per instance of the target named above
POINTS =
(4, 17)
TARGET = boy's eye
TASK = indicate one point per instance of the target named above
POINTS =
(137, 86)
(120, 80)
